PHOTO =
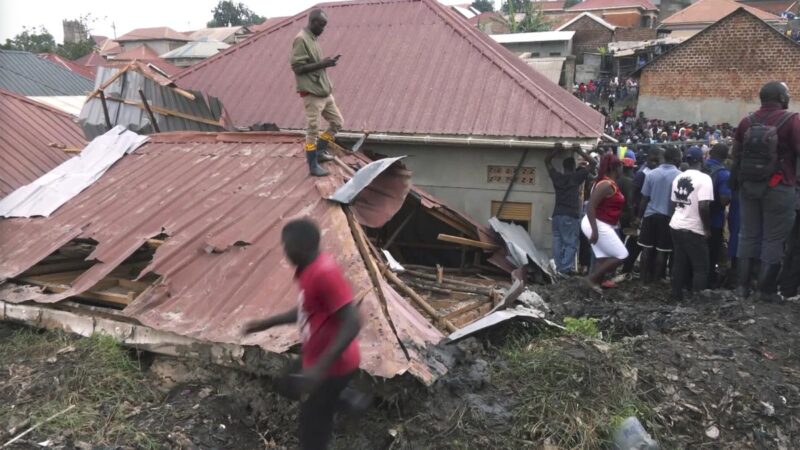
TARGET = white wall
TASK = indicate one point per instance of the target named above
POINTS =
(711, 109)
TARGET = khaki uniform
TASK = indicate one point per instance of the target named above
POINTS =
(315, 89)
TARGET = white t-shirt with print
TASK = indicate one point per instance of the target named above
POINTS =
(688, 190)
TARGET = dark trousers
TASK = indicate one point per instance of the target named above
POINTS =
(317, 412)
(633, 247)
(715, 243)
(689, 259)
(767, 217)
(790, 275)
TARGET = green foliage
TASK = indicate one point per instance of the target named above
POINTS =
(227, 13)
(75, 50)
(35, 40)
(483, 5)
(532, 21)
(585, 326)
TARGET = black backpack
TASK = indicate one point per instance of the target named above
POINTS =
(760, 160)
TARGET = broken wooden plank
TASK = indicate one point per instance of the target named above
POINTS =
(114, 298)
(467, 242)
(419, 300)
(66, 266)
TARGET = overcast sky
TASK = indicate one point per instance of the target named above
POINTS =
(125, 15)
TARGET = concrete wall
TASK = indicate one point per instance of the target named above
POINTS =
(458, 176)
(714, 110)
(544, 49)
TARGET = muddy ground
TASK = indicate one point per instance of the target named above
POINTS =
(713, 372)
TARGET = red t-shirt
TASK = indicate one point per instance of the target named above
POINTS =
(323, 291)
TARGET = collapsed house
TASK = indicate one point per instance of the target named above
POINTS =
(467, 112)
(178, 245)
(143, 100)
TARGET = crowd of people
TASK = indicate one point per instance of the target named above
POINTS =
(669, 197)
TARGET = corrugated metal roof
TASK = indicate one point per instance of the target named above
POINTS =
(153, 34)
(710, 11)
(70, 104)
(267, 23)
(409, 67)
(216, 191)
(145, 54)
(589, 15)
(80, 69)
(217, 33)
(541, 36)
(27, 74)
(196, 49)
(27, 129)
(592, 5)
(170, 106)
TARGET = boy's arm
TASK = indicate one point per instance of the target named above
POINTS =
(347, 316)
(255, 326)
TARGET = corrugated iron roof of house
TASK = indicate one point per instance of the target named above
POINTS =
(34, 139)
(27, 74)
(428, 70)
(155, 33)
(710, 11)
(592, 5)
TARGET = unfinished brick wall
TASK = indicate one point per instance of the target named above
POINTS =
(634, 34)
(589, 36)
(732, 59)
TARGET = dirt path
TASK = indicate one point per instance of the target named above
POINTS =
(711, 373)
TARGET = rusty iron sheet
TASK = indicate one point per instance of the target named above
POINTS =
(430, 72)
(33, 140)
(231, 192)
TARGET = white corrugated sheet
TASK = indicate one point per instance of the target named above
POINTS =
(70, 104)
(541, 36)
(68, 179)
(550, 67)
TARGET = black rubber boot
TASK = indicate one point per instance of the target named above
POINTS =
(743, 269)
(313, 166)
(322, 151)
(768, 282)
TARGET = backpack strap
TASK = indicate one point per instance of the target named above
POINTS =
(784, 119)
(752, 119)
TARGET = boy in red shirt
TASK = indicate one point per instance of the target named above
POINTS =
(329, 324)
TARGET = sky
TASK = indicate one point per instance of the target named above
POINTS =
(125, 15)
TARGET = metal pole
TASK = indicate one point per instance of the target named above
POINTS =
(105, 109)
(511, 185)
(149, 112)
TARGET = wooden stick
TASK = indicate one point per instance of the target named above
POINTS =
(19, 436)
(427, 287)
(427, 276)
(468, 308)
(418, 300)
(450, 288)
(109, 81)
(105, 109)
(149, 111)
(467, 242)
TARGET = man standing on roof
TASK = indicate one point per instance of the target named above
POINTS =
(316, 90)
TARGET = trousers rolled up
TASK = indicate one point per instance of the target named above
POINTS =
(767, 217)
(326, 108)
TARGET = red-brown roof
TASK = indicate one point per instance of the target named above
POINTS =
(774, 7)
(557, 5)
(153, 34)
(592, 5)
(408, 67)
(266, 24)
(230, 192)
(73, 66)
(27, 129)
(710, 11)
(144, 54)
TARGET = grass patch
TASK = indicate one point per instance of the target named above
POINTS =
(97, 375)
(584, 326)
(570, 391)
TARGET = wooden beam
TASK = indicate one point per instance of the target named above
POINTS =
(114, 298)
(467, 242)
(419, 301)
(167, 112)
(66, 266)
(460, 312)
(449, 221)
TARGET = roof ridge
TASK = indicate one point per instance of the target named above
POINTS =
(34, 103)
(699, 3)
(464, 26)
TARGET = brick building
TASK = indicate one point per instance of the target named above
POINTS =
(591, 33)
(715, 76)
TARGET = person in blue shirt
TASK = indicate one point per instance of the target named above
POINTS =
(655, 211)
(714, 166)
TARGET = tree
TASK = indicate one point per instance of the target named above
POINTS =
(229, 14)
(483, 5)
(532, 19)
(75, 50)
(36, 40)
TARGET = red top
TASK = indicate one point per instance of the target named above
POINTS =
(788, 140)
(324, 291)
(610, 208)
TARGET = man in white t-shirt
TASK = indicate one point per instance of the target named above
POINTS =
(690, 226)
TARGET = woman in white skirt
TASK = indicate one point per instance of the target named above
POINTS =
(602, 216)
